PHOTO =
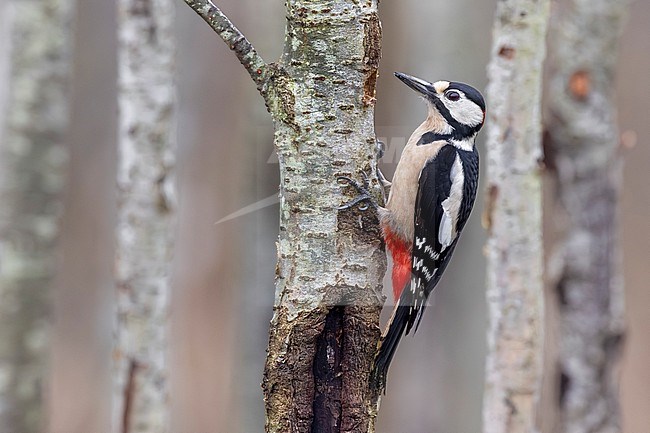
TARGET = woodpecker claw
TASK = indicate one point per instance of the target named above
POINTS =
(364, 194)
(384, 182)
(381, 149)
(354, 201)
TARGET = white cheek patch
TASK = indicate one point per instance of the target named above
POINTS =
(464, 111)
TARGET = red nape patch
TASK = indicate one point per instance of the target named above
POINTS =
(400, 251)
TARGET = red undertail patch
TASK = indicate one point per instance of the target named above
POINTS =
(400, 251)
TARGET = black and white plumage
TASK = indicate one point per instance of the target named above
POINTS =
(431, 198)
(446, 193)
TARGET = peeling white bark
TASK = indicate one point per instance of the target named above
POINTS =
(34, 74)
(146, 214)
(584, 144)
(514, 218)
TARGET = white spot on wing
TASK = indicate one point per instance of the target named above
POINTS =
(451, 205)
(416, 283)
(427, 274)
(429, 250)
(445, 233)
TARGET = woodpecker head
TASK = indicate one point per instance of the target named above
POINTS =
(455, 109)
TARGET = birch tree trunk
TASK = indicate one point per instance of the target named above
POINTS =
(34, 74)
(330, 263)
(513, 217)
(146, 214)
(585, 153)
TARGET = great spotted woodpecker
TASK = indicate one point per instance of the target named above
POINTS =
(431, 197)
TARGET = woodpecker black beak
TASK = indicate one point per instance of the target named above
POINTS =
(423, 87)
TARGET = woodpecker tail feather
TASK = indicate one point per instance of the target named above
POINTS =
(407, 313)
(388, 345)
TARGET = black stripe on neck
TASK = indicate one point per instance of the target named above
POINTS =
(430, 137)
(461, 131)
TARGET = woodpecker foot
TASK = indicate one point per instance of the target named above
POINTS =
(364, 194)
(381, 149)
(384, 182)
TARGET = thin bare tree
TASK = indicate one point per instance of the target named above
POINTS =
(584, 152)
(513, 217)
(146, 216)
(35, 62)
(321, 96)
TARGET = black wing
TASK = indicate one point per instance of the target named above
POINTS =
(432, 247)
(430, 254)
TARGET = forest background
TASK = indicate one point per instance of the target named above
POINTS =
(223, 271)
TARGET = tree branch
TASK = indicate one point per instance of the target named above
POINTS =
(253, 63)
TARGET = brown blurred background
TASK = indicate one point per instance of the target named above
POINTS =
(223, 283)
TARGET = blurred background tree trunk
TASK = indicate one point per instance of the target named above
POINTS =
(35, 63)
(146, 216)
(585, 151)
(513, 218)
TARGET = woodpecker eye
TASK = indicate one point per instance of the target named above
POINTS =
(453, 95)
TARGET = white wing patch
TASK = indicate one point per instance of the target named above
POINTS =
(451, 205)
